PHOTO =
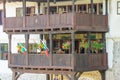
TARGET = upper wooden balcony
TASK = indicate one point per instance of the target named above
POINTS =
(76, 21)
(60, 62)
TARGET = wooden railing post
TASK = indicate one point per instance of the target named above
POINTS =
(27, 47)
(51, 49)
(48, 16)
(9, 49)
(73, 13)
(4, 10)
(73, 49)
(24, 13)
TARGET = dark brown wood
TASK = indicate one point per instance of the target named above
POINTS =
(51, 48)
(27, 47)
(48, 11)
(106, 7)
(4, 10)
(91, 9)
(83, 62)
(38, 7)
(9, 49)
(102, 74)
(47, 77)
(90, 62)
(57, 21)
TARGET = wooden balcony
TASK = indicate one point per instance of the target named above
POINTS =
(77, 62)
(76, 21)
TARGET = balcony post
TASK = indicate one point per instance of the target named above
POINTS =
(24, 13)
(73, 49)
(106, 4)
(51, 48)
(104, 42)
(4, 11)
(73, 12)
(38, 7)
(27, 47)
(9, 49)
(92, 13)
(89, 42)
(48, 10)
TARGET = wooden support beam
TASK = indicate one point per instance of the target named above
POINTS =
(51, 48)
(48, 12)
(4, 11)
(4, 8)
(24, 7)
(9, 48)
(24, 13)
(27, 47)
(89, 42)
(15, 75)
(104, 42)
(73, 76)
(47, 76)
(106, 6)
(91, 9)
(38, 7)
(102, 74)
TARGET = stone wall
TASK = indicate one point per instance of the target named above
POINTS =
(114, 72)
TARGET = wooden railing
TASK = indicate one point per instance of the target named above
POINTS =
(90, 62)
(78, 21)
(81, 62)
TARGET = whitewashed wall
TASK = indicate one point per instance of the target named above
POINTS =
(114, 29)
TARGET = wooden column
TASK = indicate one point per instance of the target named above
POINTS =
(104, 42)
(48, 12)
(89, 42)
(38, 7)
(106, 4)
(73, 42)
(47, 77)
(73, 49)
(4, 11)
(92, 16)
(91, 9)
(51, 48)
(9, 49)
(27, 47)
(102, 74)
(24, 13)
(73, 11)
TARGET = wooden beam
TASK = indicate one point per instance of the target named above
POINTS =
(27, 47)
(9, 49)
(4, 8)
(48, 11)
(106, 3)
(24, 13)
(24, 7)
(73, 42)
(47, 76)
(51, 48)
(91, 9)
(38, 7)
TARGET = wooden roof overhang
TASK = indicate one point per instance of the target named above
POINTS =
(37, 0)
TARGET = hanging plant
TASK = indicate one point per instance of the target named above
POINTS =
(97, 45)
(21, 48)
(66, 45)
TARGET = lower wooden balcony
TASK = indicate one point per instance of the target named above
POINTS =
(66, 21)
(59, 62)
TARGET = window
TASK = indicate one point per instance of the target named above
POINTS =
(4, 51)
(29, 11)
(118, 7)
